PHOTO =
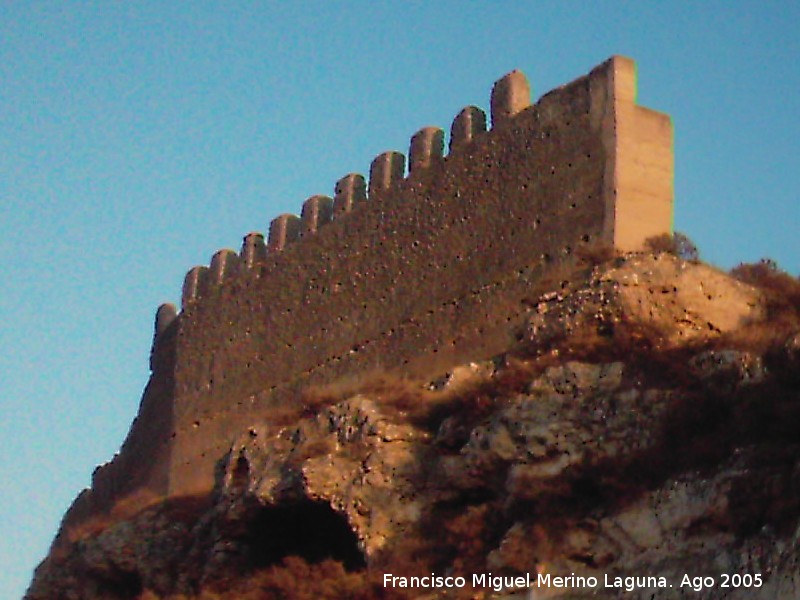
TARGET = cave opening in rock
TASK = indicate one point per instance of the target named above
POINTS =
(120, 585)
(310, 530)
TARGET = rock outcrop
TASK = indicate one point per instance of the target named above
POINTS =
(678, 301)
(654, 449)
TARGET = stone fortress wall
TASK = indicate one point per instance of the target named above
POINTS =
(412, 272)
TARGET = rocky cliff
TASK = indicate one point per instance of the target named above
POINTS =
(639, 433)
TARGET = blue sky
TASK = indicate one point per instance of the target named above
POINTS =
(136, 139)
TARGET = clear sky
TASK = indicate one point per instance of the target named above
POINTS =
(138, 138)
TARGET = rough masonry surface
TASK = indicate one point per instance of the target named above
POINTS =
(410, 272)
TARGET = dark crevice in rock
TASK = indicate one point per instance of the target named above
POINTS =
(310, 530)
(121, 585)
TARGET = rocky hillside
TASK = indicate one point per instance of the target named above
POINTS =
(641, 432)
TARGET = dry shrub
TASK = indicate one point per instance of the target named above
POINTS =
(123, 509)
(415, 553)
(148, 595)
(534, 544)
(283, 414)
(403, 399)
(410, 401)
(782, 291)
(641, 346)
(93, 526)
(660, 244)
(186, 509)
(782, 297)
(385, 387)
(314, 448)
(596, 253)
(134, 503)
(514, 377)
(471, 400)
(677, 244)
(394, 392)
(623, 341)
(296, 579)
(455, 536)
(310, 401)
(472, 533)
(560, 277)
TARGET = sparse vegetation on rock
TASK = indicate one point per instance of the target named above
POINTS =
(621, 433)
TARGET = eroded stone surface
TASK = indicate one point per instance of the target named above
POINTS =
(371, 473)
(682, 302)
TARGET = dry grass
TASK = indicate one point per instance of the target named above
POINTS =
(379, 385)
(123, 509)
(398, 397)
(179, 509)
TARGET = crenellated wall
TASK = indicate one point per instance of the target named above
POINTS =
(408, 271)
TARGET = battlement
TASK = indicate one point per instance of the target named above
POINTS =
(414, 269)
(387, 176)
(510, 95)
